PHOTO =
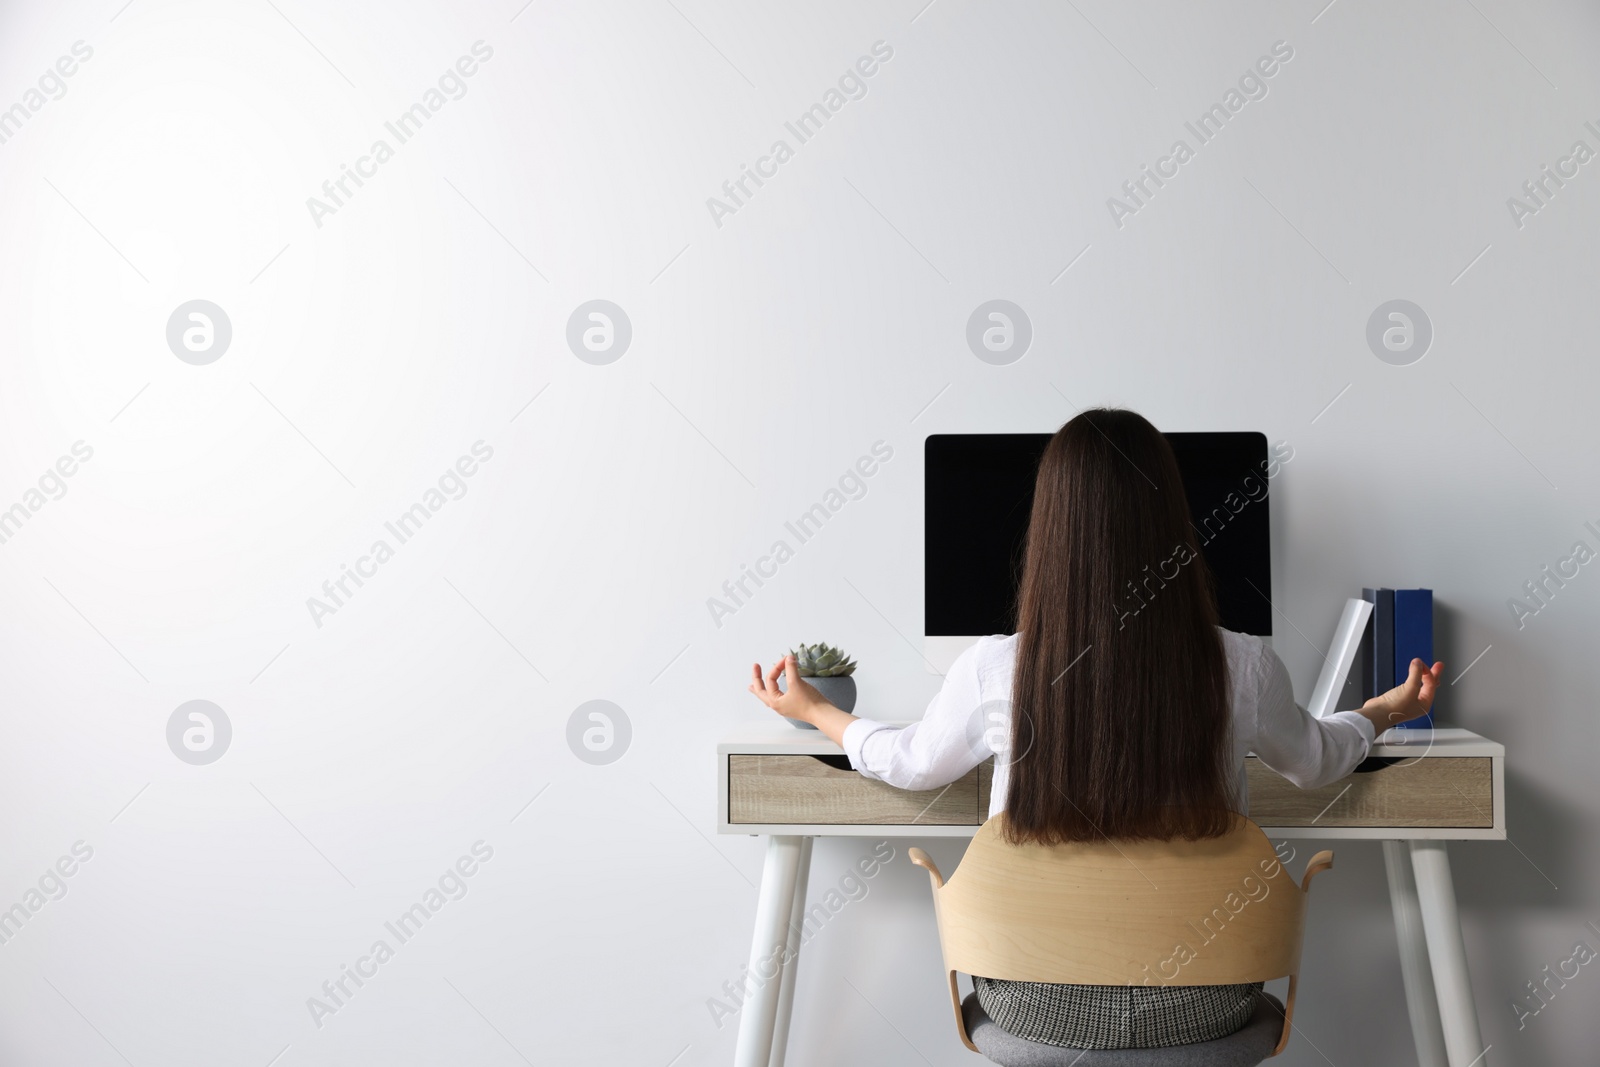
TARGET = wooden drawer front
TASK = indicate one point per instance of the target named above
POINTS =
(1443, 791)
(804, 791)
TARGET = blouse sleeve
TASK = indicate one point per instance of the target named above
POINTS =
(952, 738)
(1308, 751)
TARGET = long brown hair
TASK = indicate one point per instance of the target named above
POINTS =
(1120, 724)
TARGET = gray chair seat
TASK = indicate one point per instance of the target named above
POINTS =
(1246, 1048)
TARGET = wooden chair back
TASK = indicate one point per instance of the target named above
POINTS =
(1215, 912)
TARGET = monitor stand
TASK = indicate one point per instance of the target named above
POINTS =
(940, 653)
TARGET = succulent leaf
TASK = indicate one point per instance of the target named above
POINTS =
(822, 661)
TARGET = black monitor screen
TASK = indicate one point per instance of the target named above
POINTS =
(980, 492)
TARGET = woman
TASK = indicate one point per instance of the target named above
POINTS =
(1119, 709)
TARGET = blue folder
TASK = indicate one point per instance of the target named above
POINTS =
(1413, 639)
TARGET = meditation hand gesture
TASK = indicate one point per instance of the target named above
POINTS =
(798, 696)
(1409, 700)
(799, 699)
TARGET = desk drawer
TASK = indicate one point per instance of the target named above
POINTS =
(1436, 791)
(805, 791)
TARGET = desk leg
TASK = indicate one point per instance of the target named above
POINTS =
(791, 965)
(1441, 923)
(760, 1010)
(1421, 1001)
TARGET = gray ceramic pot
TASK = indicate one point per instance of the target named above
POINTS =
(840, 692)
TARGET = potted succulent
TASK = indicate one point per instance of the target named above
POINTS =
(829, 670)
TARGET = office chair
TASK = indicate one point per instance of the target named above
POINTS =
(1109, 913)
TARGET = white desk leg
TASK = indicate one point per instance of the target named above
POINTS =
(1436, 896)
(791, 966)
(760, 1010)
(1421, 1002)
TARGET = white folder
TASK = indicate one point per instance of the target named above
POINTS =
(1346, 643)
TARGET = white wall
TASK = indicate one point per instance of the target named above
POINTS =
(370, 352)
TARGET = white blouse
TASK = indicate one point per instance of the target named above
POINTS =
(970, 720)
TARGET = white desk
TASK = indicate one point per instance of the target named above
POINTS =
(1449, 785)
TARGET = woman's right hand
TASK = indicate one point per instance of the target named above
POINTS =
(1410, 700)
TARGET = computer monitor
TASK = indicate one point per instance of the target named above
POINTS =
(979, 493)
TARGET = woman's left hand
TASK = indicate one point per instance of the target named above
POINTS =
(802, 700)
